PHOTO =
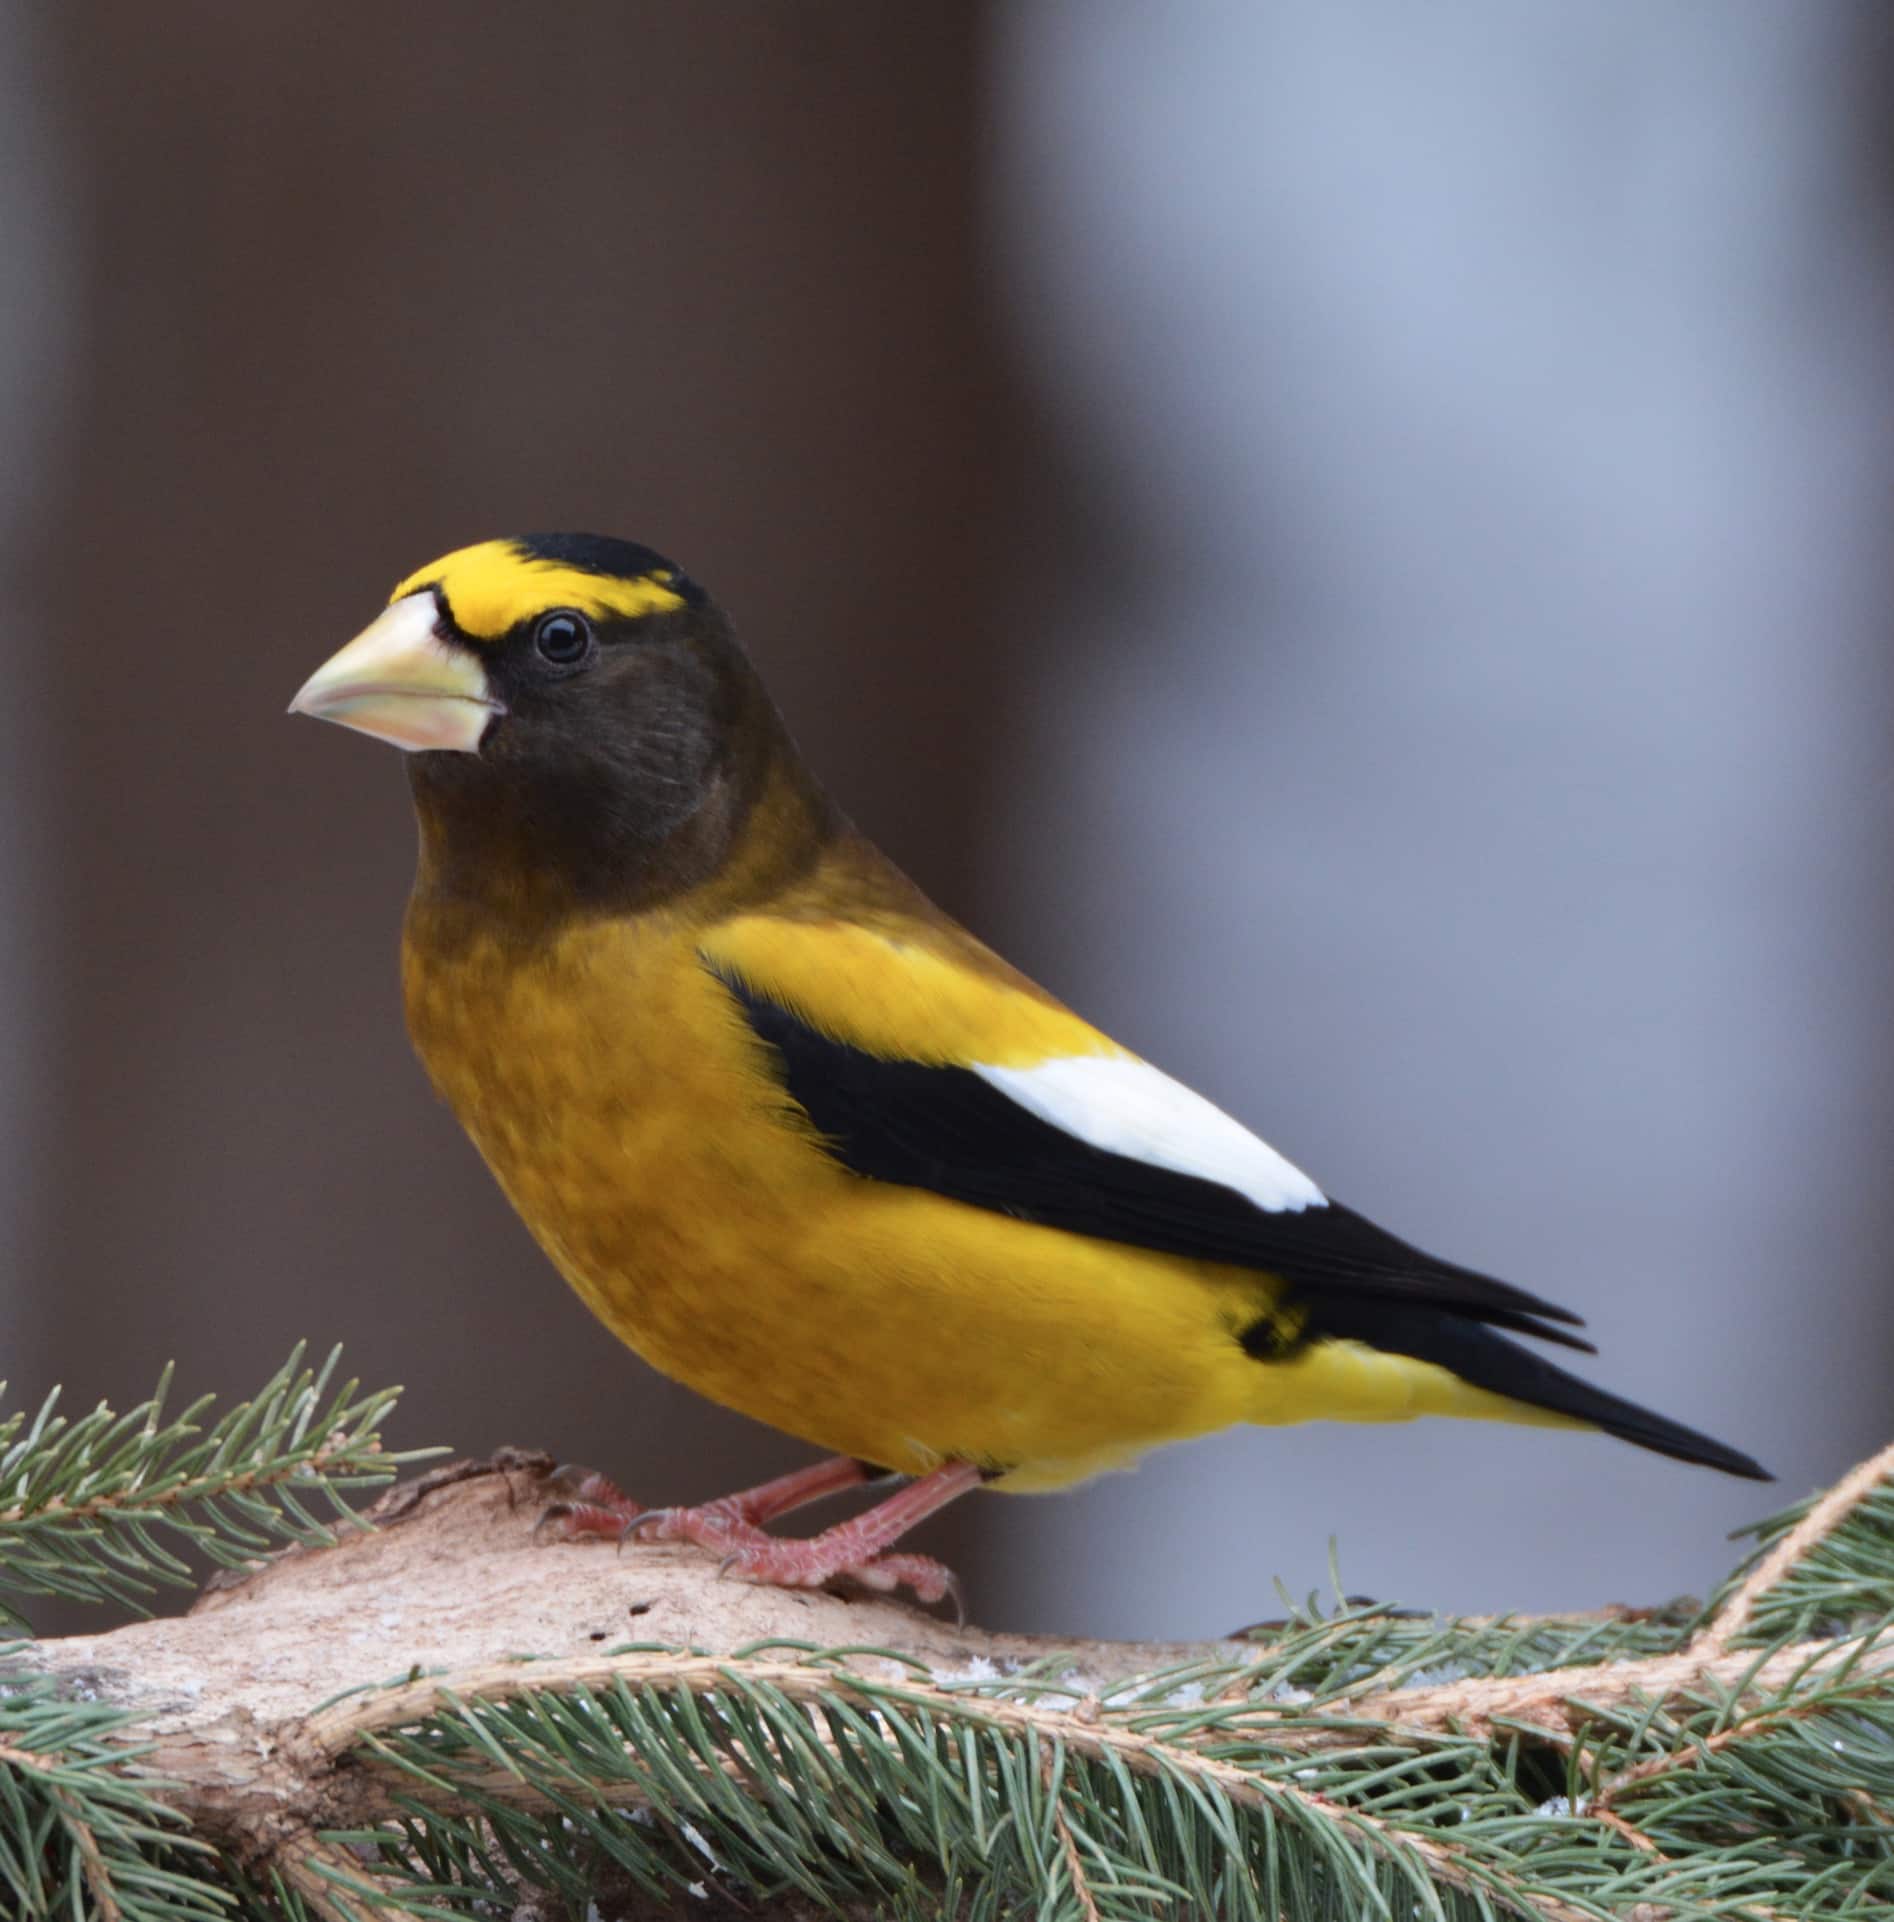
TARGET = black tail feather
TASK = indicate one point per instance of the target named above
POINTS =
(1488, 1360)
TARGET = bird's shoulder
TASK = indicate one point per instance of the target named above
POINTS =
(858, 953)
(934, 1061)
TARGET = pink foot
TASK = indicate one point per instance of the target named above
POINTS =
(773, 1562)
(592, 1504)
(927, 1580)
(855, 1549)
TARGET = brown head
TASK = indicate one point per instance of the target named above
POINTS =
(584, 733)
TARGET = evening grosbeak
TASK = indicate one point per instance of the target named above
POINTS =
(803, 1142)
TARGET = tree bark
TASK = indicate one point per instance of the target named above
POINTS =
(256, 1702)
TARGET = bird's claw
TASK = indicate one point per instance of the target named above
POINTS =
(730, 1528)
(748, 1554)
(711, 1526)
(809, 1564)
(586, 1504)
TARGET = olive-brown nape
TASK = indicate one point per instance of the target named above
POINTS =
(488, 589)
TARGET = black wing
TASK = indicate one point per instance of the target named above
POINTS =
(948, 1130)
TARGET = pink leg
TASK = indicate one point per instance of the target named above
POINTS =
(598, 1506)
(854, 1548)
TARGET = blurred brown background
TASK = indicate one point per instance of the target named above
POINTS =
(1357, 553)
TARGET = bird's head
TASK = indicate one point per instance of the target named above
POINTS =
(570, 704)
(511, 638)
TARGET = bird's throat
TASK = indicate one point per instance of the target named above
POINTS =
(538, 845)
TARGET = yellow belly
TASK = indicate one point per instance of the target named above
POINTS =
(613, 1088)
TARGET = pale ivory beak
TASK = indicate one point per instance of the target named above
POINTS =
(399, 681)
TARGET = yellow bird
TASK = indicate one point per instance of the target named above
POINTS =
(804, 1143)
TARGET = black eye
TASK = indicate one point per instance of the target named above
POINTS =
(562, 637)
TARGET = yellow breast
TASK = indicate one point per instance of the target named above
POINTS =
(610, 1081)
(611, 1084)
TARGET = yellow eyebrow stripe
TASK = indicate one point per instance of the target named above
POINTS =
(494, 585)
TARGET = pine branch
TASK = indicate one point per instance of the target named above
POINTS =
(85, 1502)
(82, 1825)
(443, 1718)
(1807, 1565)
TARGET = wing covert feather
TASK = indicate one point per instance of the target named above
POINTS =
(917, 1072)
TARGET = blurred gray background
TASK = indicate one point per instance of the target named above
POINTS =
(1348, 540)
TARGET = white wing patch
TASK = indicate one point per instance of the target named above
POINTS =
(1128, 1107)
